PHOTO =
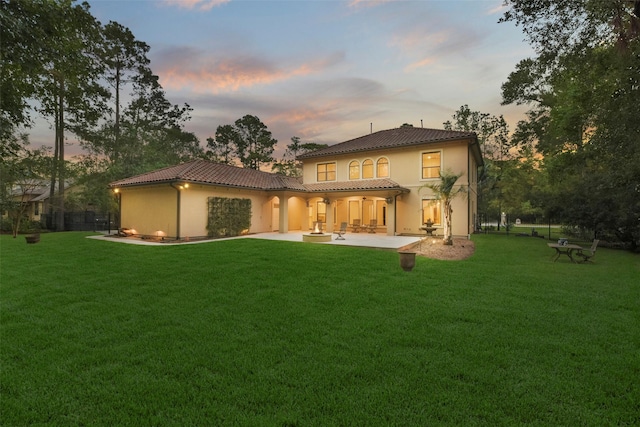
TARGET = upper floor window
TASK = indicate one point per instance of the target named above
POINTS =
(354, 170)
(367, 169)
(431, 165)
(326, 172)
(383, 167)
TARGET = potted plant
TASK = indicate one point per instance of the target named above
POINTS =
(32, 238)
(407, 260)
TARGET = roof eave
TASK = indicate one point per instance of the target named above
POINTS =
(313, 155)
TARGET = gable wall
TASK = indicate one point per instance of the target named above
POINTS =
(194, 213)
(149, 209)
(153, 208)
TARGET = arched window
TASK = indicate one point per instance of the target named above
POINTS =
(383, 168)
(354, 170)
(367, 169)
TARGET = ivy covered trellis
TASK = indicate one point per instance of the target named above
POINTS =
(228, 216)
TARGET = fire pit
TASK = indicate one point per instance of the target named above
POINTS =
(316, 235)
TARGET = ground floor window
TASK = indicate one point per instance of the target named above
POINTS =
(431, 210)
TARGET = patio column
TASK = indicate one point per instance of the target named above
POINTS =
(330, 220)
(391, 217)
(283, 217)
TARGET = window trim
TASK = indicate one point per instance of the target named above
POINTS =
(358, 165)
(422, 167)
(326, 172)
(425, 203)
(388, 167)
(373, 169)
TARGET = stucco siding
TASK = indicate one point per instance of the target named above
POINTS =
(149, 209)
(194, 208)
(405, 168)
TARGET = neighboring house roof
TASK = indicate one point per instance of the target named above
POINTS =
(38, 189)
(206, 172)
(393, 138)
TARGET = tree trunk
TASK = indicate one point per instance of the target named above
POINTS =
(116, 126)
(447, 223)
(60, 160)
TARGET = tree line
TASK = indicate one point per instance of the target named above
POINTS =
(575, 158)
(94, 82)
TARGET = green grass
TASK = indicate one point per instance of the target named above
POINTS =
(252, 332)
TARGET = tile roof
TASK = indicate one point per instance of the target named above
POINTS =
(206, 172)
(391, 138)
(364, 184)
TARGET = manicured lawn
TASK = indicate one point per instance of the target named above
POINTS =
(252, 332)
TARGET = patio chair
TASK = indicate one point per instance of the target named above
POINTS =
(373, 224)
(343, 230)
(356, 225)
(588, 253)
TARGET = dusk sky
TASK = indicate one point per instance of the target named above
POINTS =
(326, 71)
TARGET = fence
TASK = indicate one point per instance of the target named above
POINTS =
(81, 221)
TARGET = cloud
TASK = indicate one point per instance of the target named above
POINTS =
(426, 44)
(367, 3)
(191, 69)
(500, 8)
(419, 64)
(196, 4)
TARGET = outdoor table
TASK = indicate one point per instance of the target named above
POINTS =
(564, 250)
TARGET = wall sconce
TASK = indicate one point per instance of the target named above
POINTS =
(389, 200)
(116, 190)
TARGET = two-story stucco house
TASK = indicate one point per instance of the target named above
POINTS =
(377, 177)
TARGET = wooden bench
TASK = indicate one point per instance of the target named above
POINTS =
(588, 253)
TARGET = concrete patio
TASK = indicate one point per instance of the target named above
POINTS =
(370, 240)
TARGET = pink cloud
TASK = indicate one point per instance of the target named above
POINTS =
(196, 4)
(419, 64)
(367, 3)
(185, 68)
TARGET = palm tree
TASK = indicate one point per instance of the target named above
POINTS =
(446, 191)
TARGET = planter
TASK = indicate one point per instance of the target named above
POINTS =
(407, 260)
(33, 238)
